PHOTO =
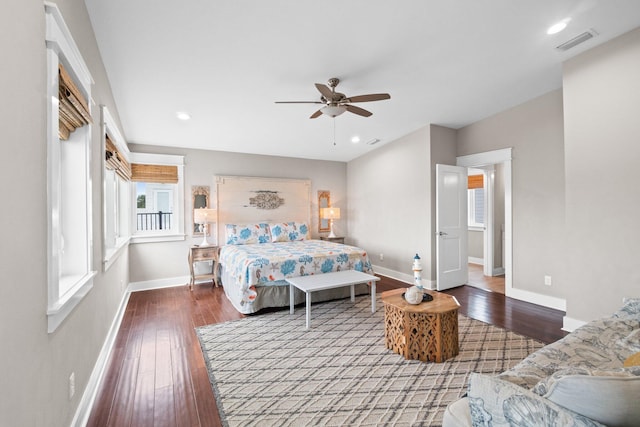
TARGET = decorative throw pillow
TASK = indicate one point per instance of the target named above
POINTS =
(610, 397)
(497, 403)
(247, 234)
(289, 231)
(633, 360)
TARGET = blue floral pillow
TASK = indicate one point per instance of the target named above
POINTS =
(247, 234)
(289, 231)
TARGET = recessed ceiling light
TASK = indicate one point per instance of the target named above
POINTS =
(182, 115)
(355, 139)
(559, 26)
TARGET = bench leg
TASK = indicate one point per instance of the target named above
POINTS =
(291, 300)
(308, 301)
(353, 293)
(373, 296)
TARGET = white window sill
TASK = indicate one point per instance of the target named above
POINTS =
(59, 311)
(476, 228)
(112, 254)
(155, 238)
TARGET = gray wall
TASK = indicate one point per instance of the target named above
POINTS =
(35, 366)
(389, 208)
(602, 146)
(200, 168)
(535, 131)
(476, 244)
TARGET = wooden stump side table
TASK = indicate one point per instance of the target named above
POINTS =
(427, 331)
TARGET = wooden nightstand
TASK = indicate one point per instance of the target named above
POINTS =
(199, 254)
(333, 239)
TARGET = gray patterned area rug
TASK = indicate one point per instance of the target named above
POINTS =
(267, 370)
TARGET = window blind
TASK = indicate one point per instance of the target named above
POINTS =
(115, 161)
(73, 110)
(475, 181)
(154, 173)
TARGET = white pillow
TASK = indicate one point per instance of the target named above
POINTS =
(611, 398)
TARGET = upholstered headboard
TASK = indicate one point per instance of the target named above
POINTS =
(246, 199)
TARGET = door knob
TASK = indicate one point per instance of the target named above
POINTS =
(442, 233)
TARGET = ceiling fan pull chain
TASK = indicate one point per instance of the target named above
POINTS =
(334, 131)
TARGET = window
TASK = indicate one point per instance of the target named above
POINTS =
(475, 202)
(157, 195)
(476, 207)
(116, 184)
(69, 226)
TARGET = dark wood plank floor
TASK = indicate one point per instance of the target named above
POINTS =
(156, 374)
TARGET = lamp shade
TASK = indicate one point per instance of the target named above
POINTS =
(330, 213)
(203, 215)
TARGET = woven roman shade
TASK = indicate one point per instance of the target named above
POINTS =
(154, 173)
(475, 181)
(73, 107)
(115, 161)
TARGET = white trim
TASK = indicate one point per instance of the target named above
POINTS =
(570, 324)
(475, 260)
(402, 277)
(56, 313)
(539, 299)
(147, 285)
(83, 410)
(155, 238)
(483, 159)
(498, 271)
(157, 159)
(111, 256)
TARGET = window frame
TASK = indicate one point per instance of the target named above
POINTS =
(472, 202)
(61, 49)
(116, 200)
(176, 232)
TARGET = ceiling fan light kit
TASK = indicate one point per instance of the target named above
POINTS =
(336, 103)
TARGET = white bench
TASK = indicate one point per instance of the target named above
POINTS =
(336, 279)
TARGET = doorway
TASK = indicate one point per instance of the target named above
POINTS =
(491, 277)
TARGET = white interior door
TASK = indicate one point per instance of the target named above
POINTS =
(451, 227)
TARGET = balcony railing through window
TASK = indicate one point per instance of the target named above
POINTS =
(150, 221)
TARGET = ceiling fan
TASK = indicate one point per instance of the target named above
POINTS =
(336, 103)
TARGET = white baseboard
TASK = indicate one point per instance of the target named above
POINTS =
(403, 277)
(474, 260)
(499, 271)
(83, 411)
(569, 324)
(539, 299)
(158, 283)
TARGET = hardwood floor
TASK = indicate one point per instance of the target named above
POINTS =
(477, 279)
(156, 375)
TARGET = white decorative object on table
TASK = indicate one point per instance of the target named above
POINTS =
(413, 295)
(204, 216)
(331, 214)
(417, 271)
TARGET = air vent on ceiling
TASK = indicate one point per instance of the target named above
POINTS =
(373, 141)
(581, 38)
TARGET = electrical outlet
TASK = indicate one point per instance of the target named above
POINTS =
(72, 385)
(547, 280)
(381, 257)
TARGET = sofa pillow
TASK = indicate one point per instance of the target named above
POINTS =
(289, 231)
(630, 308)
(610, 397)
(633, 360)
(497, 403)
(247, 234)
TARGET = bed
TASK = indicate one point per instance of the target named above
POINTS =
(257, 258)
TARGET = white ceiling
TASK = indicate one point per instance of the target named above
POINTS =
(445, 62)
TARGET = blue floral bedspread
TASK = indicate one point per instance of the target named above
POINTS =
(265, 263)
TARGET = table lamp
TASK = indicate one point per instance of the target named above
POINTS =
(204, 216)
(330, 214)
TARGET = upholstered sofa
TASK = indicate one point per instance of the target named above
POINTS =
(580, 380)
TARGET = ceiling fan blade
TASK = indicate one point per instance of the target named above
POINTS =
(357, 110)
(369, 98)
(299, 102)
(316, 114)
(324, 90)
